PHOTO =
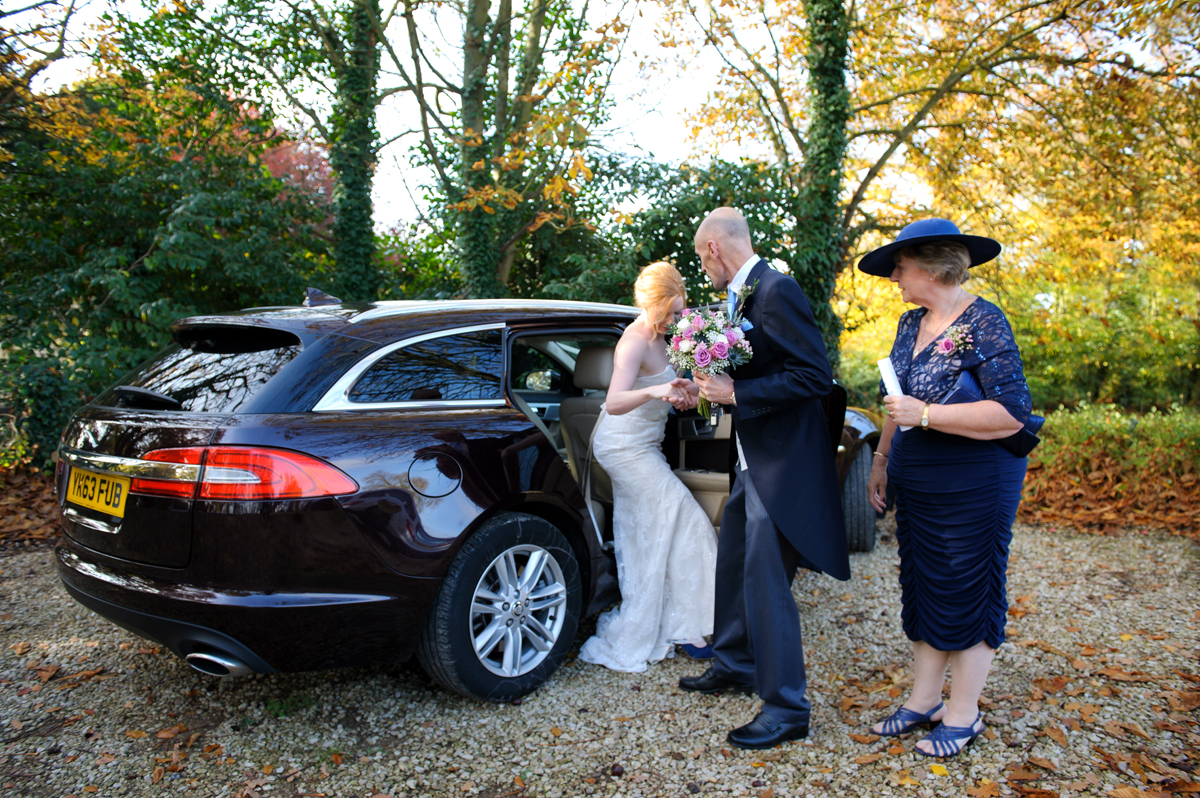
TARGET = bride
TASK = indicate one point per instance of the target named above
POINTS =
(665, 545)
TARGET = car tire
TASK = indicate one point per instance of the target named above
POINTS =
(856, 505)
(524, 630)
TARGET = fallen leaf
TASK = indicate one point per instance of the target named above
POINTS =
(938, 770)
(167, 734)
(557, 732)
(520, 782)
(1184, 702)
(896, 750)
(767, 793)
(909, 781)
(1043, 763)
(157, 775)
(20, 648)
(1114, 728)
(990, 735)
(136, 734)
(985, 789)
(91, 788)
(335, 759)
(16, 724)
(105, 759)
(1034, 792)
(1182, 786)
(1125, 791)
(865, 739)
(1023, 774)
(867, 759)
(1056, 734)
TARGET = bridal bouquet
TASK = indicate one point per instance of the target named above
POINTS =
(708, 342)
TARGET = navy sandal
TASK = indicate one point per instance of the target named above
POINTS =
(949, 741)
(904, 720)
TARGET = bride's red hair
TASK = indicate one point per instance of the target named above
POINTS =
(655, 289)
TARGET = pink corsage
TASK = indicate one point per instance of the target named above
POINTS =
(955, 340)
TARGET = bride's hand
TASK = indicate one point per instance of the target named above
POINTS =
(690, 390)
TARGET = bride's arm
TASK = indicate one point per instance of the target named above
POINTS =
(627, 361)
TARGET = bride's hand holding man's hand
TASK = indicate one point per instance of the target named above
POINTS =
(689, 393)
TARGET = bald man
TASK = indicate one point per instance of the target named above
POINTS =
(785, 508)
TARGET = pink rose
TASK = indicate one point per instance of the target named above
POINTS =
(945, 346)
(703, 356)
(699, 323)
(720, 350)
(731, 335)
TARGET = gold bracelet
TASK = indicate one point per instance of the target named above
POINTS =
(881, 454)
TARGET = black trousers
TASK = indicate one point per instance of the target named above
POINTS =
(756, 634)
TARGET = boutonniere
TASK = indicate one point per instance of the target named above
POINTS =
(747, 292)
(955, 340)
(744, 297)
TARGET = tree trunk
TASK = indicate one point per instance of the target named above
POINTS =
(477, 254)
(820, 236)
(352, 156)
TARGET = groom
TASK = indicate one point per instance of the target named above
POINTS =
(785, 509)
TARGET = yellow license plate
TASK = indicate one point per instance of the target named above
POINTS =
(103, 492)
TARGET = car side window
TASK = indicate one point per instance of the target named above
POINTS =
(458, 367)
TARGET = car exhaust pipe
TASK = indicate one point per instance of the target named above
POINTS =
(217, 664)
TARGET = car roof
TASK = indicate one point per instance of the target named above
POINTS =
(386, 319)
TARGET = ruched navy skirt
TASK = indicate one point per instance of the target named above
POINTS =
(956, 499)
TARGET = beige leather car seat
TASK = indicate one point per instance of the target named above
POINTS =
(578, 416)
(709, 488)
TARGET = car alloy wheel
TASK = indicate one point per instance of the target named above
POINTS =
(507, 610)
(519, 610)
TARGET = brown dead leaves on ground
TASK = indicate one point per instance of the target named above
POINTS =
(27, 509)
(1100, 496)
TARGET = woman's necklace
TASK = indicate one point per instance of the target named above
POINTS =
(924, 340)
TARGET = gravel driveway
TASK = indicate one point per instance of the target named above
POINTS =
(1095, 693)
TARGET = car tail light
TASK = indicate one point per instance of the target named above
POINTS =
(178, 483)
(234, 473)
(240, 473)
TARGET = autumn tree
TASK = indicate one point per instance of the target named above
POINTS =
(33, 36)
(918, 74)
(131, 203)
(502, 111)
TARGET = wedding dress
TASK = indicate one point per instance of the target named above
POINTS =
(665, 545)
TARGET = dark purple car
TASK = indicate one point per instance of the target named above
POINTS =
(288, 489)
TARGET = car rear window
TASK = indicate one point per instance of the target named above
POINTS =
(213, 374)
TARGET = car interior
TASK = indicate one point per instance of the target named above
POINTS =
(561, 380)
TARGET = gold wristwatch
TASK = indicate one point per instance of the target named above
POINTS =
(925, 417)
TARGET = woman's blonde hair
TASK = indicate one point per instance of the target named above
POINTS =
(655, 289)
(946, 261)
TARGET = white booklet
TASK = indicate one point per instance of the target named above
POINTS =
(891, 383)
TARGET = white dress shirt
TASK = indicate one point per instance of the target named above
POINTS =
(736, 285)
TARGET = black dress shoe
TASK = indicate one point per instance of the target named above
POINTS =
(766, 732)
(710, 682)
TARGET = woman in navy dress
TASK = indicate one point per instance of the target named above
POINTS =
(957, 489)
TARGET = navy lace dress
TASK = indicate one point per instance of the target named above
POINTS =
(956, 497)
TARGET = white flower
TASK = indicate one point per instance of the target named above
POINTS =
(686, 345)
(684, 323)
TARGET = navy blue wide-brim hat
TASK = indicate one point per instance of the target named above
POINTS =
(880, 262)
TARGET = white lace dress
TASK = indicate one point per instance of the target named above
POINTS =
(665, 544)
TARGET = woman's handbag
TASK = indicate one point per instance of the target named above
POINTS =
(967, 389)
